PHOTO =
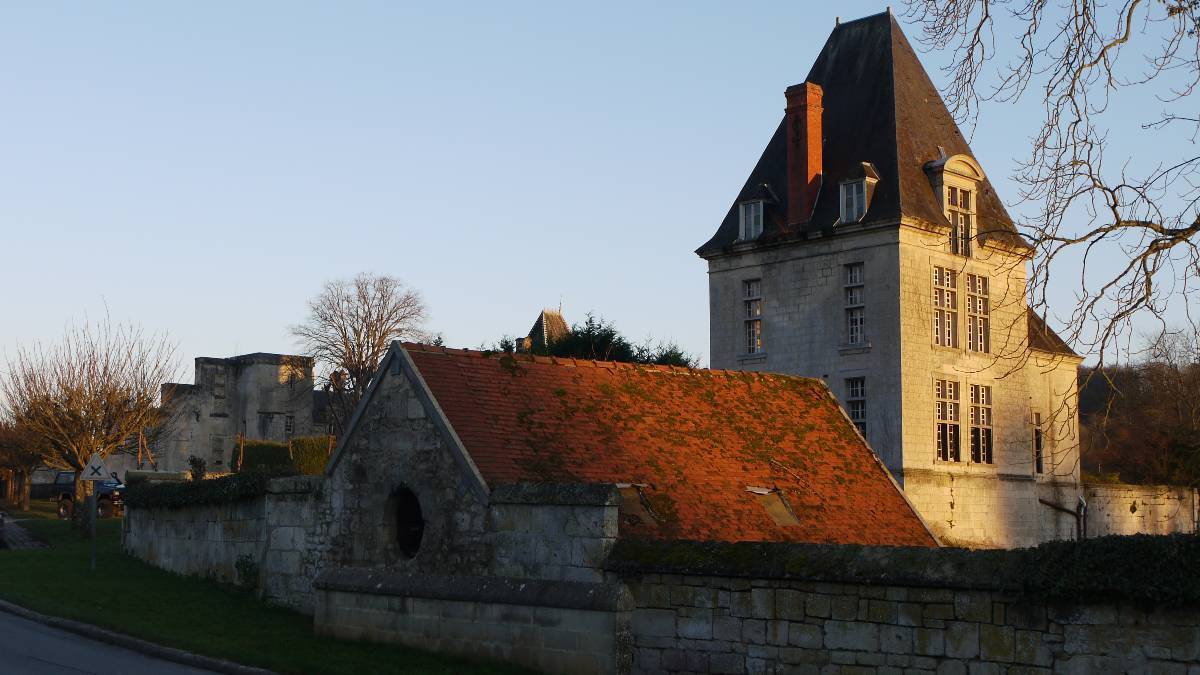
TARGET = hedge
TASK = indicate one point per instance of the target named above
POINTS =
(269, 455)
(310, 453)
(306, 455)
(1159, 570)
(227, 489)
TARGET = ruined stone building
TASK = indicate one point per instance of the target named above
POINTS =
(869, 249)
(259, 396)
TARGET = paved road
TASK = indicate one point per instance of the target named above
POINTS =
(30, 648)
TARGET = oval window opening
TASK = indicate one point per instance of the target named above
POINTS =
(410, 524)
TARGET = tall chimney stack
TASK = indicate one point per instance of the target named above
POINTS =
(803, 115)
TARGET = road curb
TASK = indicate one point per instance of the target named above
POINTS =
(134, 644)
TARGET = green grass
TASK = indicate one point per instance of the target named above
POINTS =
(38, 508)
(127, 595)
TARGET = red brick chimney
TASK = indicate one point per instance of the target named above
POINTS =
(803, 116)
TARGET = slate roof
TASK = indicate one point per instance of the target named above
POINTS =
(880, 107)
(548, 328)
(1043, 338)
(694, 440)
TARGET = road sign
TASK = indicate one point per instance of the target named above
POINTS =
(95, 469)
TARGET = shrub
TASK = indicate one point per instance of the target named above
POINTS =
(197, 467)
(1143, 568)
(262, 455)
(227, 489)
(310, 453)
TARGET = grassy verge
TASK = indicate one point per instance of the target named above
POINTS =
(124, 594)
(38, 508)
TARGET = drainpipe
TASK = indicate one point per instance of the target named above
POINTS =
(1079, 514)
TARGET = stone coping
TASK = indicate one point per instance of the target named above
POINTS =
(845, 563)
(499, 590)
(556, 494)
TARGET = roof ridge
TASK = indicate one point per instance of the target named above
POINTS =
(886, 12)
(574, 362)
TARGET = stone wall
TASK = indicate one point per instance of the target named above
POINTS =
(830, 609)
(1133, 509)
(557, 627)
(552, 532)
(283, 534)
(735, 625)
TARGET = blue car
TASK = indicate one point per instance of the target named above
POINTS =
(109, 502)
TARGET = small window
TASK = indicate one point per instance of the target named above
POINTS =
(752, 306)
(216, 446)
(410, 523)
(289, 426)
(856, 402)
(1038, 444)
(752, 220)
(775, 505)
(855, 310)
(854, 201)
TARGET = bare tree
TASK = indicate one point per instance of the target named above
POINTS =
(89, 393)
(21, 453)
(1077, 56)
(349, 327)
(1142, 420)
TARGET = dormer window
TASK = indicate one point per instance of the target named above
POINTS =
(752, 220)
(854, 200)
(957, 179)
(856, 190)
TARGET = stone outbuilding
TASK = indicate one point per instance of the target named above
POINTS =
(475, 497)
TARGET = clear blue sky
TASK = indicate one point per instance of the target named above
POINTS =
(202, 168)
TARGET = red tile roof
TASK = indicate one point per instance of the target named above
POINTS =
(695, 439)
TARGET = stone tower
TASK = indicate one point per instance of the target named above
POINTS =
(868, 248)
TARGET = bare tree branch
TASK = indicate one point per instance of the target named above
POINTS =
(1077, 55)
(349, 327)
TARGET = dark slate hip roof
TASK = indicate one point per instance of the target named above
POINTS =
(880, 107)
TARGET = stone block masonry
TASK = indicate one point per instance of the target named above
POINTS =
(558, 627)
(1133, 509)
(902, 620)
(282, 533)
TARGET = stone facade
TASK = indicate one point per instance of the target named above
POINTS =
(258, 396)
(804, 328)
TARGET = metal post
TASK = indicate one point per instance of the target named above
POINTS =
(91, 509)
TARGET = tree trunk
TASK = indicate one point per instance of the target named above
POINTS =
(26, 488)
(79, 500)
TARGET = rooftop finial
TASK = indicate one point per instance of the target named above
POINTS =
(837, 20)
(889, 10)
